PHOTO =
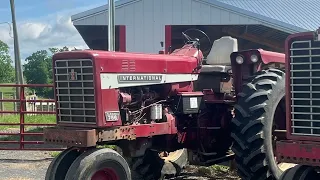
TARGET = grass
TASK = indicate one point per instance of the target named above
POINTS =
(41, 119)
(8, 94)
(7, 89)
(45, 119)
(26, 138)
(54, 153)
(220, 168)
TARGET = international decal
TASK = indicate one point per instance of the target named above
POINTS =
(139, 78)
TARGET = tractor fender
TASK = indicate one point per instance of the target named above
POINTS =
(271, 57)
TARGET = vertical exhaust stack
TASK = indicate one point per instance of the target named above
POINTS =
(111, 26)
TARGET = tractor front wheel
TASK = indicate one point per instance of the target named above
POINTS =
(58, 168)
(259, 112)
(99, 164)
(300, 172)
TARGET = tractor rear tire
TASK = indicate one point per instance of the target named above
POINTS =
(300, 172)
(58, 168)
(253, 123)
(97, 164)
(153, 167)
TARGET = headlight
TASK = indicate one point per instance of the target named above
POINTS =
(239, 59)
(254, 58)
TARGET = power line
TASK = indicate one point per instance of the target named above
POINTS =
(10, 28)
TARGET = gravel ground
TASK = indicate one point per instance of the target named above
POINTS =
(32, 165)
(206, 173)
(24, 165)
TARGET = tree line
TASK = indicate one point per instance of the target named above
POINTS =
(36, 70)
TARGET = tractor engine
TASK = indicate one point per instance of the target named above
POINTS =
(141, 105)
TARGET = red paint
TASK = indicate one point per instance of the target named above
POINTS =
(111, 62)
(107, 100)
(105, 174)
(168, 37)
(175, 88)
(271, 57)
(148, 130)
(299, 152)
(122, 38)
(55, 91)
(289, 40)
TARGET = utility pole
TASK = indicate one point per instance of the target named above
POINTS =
(17, 60)
(111, 26)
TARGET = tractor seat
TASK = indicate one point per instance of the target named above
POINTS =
(215, 69)
(218, 60)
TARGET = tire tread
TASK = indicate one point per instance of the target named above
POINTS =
(248, 125)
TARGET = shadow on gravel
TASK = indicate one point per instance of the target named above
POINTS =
(24, 160)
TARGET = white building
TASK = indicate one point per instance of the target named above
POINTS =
(143, 24)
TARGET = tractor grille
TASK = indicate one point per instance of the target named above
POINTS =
(305, 87)
(75, 91)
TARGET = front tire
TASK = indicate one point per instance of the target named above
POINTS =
(253, 124)
(300, 172)
(96, 164)
(58, 168)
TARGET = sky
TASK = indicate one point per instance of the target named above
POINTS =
(43, 24)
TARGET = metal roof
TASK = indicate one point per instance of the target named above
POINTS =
(100, 9)
(301, 13)
(290, 16)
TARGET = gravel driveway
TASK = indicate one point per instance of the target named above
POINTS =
(32, 165)
(24, 165)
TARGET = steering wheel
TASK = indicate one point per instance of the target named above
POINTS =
(201, 37)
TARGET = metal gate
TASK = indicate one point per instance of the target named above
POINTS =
(24, 138)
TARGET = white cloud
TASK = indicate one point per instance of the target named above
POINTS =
(54, 30)
(35, 36)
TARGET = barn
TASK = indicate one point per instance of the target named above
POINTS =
(142, 24)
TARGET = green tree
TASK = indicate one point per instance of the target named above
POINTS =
(38, 70)
(6, 69)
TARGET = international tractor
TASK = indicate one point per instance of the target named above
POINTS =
(302, 144)
(162, 111)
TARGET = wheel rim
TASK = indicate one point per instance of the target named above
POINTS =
(171, 156)
(105, 174)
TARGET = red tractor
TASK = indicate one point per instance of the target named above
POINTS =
(302, 146)
(163, 110)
